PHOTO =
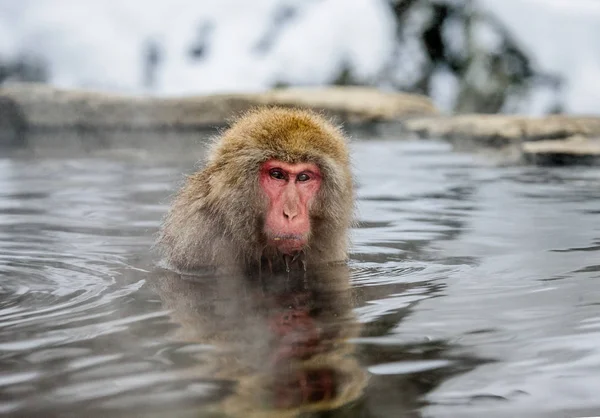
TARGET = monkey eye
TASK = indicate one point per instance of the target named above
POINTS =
(277, 174)
(303, 177)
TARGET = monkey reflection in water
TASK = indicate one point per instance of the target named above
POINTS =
(284, 344)
(274, 200)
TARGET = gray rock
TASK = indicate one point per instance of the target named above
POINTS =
(353, 104)
(51, 121)
(12, 124)
(574, 150)
(45, 106)
(502, 130)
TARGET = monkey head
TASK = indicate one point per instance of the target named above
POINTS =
(277, 182)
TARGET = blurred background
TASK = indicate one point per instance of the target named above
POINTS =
(487, 56)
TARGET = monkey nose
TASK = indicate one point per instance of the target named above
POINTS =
(290, 214)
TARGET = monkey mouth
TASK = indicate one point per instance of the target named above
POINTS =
(287, 237)
(288, 244)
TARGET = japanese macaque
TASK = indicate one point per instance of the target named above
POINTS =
(276, 194)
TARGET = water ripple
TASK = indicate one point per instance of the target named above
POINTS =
(473, 287)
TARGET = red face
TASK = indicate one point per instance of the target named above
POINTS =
(290, 189)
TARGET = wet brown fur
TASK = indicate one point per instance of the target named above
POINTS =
(217, 218)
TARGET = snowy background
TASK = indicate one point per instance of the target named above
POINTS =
(208, 46)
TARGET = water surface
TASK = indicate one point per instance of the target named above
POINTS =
(473, 290)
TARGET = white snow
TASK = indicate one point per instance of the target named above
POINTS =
(99, 43)
(564, 38)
